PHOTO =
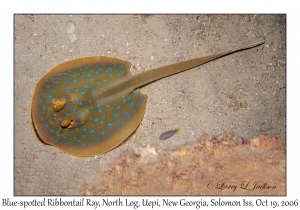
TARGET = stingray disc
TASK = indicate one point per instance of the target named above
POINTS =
(67, 111)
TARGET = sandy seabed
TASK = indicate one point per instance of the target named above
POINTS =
(241, 96)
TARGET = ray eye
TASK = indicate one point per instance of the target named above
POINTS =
(67, 124)
(60, 102)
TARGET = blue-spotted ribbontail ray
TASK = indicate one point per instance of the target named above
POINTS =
(88, 106)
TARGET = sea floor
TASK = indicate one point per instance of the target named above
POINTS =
(241, 96)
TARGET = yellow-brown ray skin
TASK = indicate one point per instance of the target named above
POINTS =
(114, 135)
(112, 94)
